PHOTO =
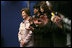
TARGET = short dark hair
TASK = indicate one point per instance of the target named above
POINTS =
(45, 8)
(36, 6)
(42, 2)
(27, 11)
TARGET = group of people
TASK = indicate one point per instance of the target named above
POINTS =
(43, 19)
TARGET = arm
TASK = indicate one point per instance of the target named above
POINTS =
(28, 37)
(19, 33)
(19, 36)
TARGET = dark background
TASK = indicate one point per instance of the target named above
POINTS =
(11, 18)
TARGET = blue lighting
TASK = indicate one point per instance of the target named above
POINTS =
(2, 2)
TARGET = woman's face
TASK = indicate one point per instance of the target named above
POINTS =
(24, 15)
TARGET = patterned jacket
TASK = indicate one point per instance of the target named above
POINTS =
(25, 34)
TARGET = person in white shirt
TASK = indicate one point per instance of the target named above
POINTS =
(25, 34)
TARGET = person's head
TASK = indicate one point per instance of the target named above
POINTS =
(36, 8)
(44, 8)
(25, 13)
(41, 9)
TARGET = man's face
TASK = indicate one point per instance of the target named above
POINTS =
(35, 11)
(56, 19)
(24, 15)
(41, 9)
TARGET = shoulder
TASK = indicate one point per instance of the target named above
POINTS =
(21, 23)
(26, 21)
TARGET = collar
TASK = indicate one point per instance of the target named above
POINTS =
(26, 21)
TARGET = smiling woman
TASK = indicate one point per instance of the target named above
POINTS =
(25, 32)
